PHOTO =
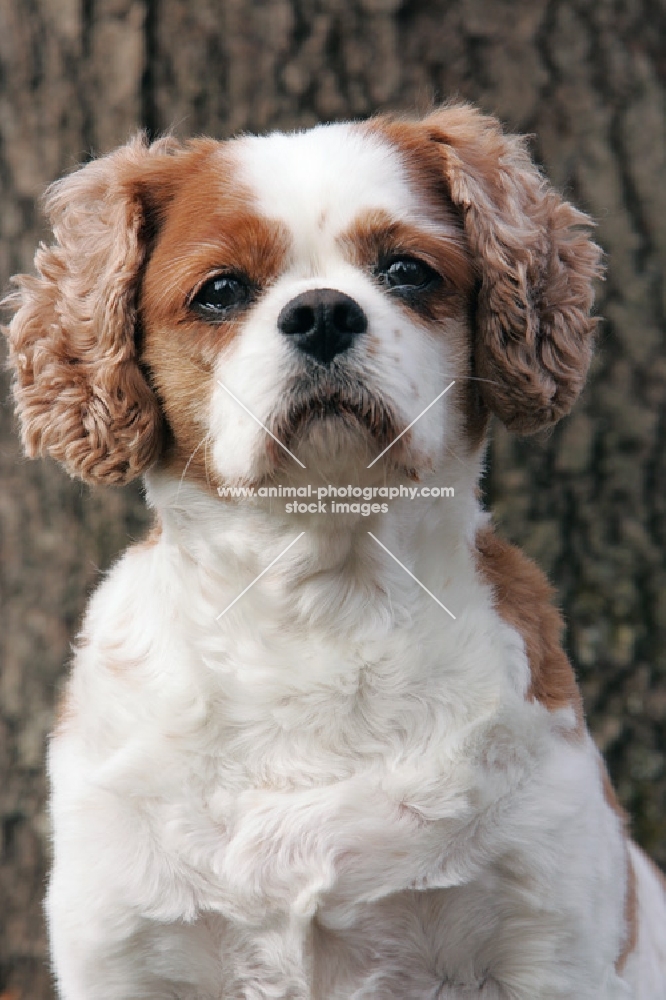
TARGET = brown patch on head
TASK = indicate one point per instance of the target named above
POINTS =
(523, 598)
(423, 163)
(532, 333)
(210, 229)
(376, 238)
(103, 338)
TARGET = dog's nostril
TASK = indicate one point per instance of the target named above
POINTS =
(322, 322)
(349, 317)
(300, 320)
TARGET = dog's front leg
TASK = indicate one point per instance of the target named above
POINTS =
(350, 843)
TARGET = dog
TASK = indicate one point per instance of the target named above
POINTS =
(329, 748)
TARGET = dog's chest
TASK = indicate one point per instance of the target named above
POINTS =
(322, 818)
(307, 821)
(406, 947)
(375, 881)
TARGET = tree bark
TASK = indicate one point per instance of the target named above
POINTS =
(588, 501)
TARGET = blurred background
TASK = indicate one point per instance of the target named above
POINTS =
(588, 79)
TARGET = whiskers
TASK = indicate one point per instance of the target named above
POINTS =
(454, 375)
(205, 441)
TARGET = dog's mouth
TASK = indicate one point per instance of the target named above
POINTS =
(343, 405)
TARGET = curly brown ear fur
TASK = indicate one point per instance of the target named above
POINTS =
(79, 391)
(534, 334)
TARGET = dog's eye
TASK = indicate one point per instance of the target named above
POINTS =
(407, 273)
(221, 295)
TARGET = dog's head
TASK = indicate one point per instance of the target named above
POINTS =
(213, 306)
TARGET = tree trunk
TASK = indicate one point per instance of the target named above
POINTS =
(588, 501)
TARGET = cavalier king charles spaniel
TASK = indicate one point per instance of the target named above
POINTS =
(320, 739)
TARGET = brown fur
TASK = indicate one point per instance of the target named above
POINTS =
(533, 332)
(376, 235)
(210, 227)
(64, 712)
(630, 918)
(102, 344)
(631, 896)
(423, 163)
(80, 394)
(153, 536)
(523, 599)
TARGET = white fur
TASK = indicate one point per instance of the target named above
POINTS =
(334, 791)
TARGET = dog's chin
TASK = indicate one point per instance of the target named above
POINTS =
(335, 427)
(334, 442)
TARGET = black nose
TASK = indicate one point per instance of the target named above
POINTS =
(322, 322)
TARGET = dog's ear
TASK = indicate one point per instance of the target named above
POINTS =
(79, 390)
(536, 264)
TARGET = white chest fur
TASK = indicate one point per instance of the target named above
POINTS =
(270, 807)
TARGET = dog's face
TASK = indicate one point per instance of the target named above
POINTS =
(305, 277)
(223, 309)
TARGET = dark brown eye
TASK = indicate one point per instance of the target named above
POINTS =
(408, 274)
(222, 295)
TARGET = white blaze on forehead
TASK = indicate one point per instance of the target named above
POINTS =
(318, 182)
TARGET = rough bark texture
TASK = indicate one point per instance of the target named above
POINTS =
(589, 502)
